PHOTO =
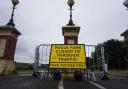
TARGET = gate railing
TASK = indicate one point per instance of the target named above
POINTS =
(42, 55)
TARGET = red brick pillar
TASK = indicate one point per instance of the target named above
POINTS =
(8, 40)
(70, 33)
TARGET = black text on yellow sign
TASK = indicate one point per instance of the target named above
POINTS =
(69, 54)
(67, 65)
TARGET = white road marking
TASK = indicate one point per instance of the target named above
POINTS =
(97, 85)
(61, 84)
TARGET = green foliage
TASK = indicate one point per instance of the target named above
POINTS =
(96, 56)
(114, 54)
(23, 66)
(88, 61)
(92, 63)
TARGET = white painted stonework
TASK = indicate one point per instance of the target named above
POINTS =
(8, 34)
(2, 46)
(70, 34)
(70, 41)
(2, 66)
(7, 67)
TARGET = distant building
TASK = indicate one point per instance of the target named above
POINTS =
(125, 35)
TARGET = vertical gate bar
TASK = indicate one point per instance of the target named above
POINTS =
(89, 58)
(97, 57)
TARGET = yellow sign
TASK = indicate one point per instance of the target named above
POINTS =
(67, 65)
(67, 56)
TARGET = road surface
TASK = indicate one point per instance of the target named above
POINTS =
(26, 82)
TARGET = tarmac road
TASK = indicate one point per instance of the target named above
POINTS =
(115, 83)
(73, 84)
(26, 82)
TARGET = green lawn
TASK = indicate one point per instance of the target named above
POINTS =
(24, 71)
(119, 73)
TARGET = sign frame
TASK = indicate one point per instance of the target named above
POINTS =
(69, 62)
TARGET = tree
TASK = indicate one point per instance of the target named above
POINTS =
(114, 54)
(96, 56)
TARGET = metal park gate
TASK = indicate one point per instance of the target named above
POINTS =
(42, 55)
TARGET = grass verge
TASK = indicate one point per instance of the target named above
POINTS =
(119, 73)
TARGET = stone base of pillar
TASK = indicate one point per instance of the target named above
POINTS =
(68, 73)
(7, 67)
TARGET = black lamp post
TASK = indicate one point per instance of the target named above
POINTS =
(14, 2)
(125, 3)
(70, 3)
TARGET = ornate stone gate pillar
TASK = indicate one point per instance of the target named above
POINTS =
(8, 38)
(70, 31)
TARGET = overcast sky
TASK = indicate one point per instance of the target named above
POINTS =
(40, 21)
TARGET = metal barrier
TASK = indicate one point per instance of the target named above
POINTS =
(42, 54)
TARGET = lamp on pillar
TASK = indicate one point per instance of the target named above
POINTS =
(11, 22)
(8, 39)
(70, 3)
(125, 3)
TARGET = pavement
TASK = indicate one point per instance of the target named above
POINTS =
(26, 82)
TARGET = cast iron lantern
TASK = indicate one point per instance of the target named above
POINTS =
(14, 2)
